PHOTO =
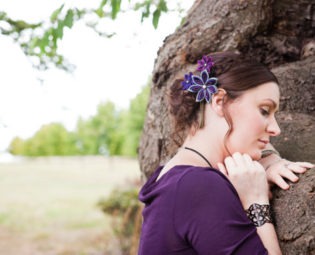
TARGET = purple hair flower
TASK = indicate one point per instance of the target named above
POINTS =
(204, 86)
(187, 81)
(206, 63)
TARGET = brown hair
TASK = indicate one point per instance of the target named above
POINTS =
(235, 74)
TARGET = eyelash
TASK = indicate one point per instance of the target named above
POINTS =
(264, 112)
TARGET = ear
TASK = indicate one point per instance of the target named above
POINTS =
(218, 101)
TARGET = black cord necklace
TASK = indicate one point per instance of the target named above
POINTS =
(187, 148)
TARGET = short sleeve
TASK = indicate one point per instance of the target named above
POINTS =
(208, 214)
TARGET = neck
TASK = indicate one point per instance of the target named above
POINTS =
(212, 150)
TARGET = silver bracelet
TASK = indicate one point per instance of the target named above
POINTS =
(259, 214)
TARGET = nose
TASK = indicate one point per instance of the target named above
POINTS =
(273, 128)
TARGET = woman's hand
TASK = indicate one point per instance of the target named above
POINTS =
(281, 171)
(248, 178)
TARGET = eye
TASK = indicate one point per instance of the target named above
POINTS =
(265, 111)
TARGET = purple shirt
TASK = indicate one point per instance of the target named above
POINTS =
(195, 210)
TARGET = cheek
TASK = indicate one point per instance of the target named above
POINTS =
(257, 123)
(247, 127)
(250, 120)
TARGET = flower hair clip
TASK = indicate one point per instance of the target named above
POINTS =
(204, 84)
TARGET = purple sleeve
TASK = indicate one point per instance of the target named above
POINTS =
(209, 215)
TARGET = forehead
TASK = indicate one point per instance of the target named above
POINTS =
(269, 90)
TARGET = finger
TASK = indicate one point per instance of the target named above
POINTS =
(296, 168)
(248, 160)
(305, 164)
(278, 180)
(289, 175)
(239, 160)
(229, 163)
(222, 169)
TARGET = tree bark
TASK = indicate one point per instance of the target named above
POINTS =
(294, 212)
(280, 34)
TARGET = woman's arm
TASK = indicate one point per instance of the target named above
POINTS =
(250, 181)
(268, 236)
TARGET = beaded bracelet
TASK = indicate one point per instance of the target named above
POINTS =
(259, 214)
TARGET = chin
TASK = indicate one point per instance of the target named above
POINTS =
(256, 155)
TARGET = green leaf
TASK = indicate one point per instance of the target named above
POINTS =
(115, 7)
(156, 17)
(58, 33)
(44, 42)
(146, 12)
(68, 21)
(99, 12)
(102, 4)
(162, 6)
(33, 43)
(55, 14)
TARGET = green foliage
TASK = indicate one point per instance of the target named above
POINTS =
(126, 209)
(98, 134)
(133, 121)
(51, 139)
(17, 146)
(157, 13)
(119, 202)
(108, 132)
(113, 132)
(45, 47)
(55, 14)
(115, 8)
(40, 40)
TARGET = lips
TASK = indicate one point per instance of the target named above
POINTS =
(264, 141)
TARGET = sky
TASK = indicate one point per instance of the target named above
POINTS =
(104, 68)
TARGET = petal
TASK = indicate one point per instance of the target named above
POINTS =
(188, 76)
(197, 80)
(207, 59)
(204, 76)
(212, 89)
(200, 62)
(212, 81)
(195, 88)
(200, 68)
(201, 95)
(208, 95)
(209, 66)
(185, 85)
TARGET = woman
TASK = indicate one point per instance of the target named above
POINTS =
(212, 196)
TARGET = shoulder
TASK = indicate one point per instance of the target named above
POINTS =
(203, 192)
(203, 180)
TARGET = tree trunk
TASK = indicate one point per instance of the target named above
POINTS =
(280, 34)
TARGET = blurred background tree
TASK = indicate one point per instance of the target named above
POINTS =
(108, 132)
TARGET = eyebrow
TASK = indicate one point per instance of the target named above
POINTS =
(274, 104)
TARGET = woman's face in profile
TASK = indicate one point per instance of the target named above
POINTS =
(253, 118)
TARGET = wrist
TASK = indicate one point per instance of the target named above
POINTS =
(262, 201)
(259, 214)
(268, 152)
(270, 160)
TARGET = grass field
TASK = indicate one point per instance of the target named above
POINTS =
(48, 205)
